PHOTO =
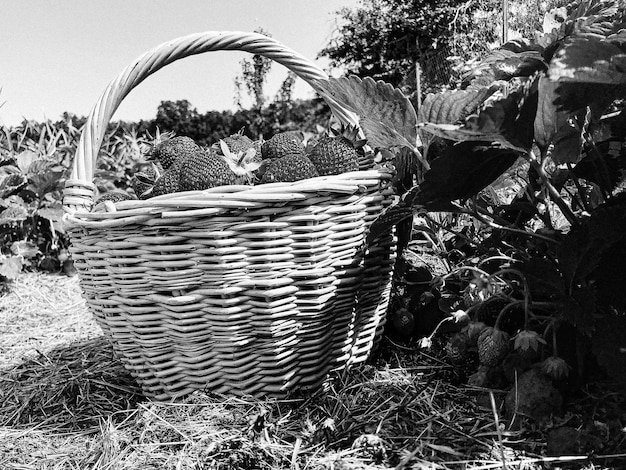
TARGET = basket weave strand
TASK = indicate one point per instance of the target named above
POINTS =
(247, 290)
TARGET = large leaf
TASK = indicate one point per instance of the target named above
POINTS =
(548, 119)
(386, 116)
(453, 106)
(508, 121)
(25, 159)
(11, 267)
(12, 184)
(390, 217)
(577, 97)
(601, 168)
(582, 248)
(25, 249)
(590, 17)
(568, 144)
(589, 61)
(609, 275)
(609, 346)
(505, 64)
(462, 171)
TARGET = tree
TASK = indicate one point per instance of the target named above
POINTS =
(383, 39)
(253, 78)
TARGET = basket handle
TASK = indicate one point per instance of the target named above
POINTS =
(80, 190)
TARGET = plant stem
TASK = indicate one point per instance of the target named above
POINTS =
(579, 188)
(526, 292)
(554, 194)
(448, 229)
(496, 226)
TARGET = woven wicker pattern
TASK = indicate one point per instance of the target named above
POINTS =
(257, 290)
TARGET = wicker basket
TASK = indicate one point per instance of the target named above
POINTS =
(244, 290)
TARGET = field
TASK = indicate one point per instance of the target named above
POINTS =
(69, 404)
(505, 344)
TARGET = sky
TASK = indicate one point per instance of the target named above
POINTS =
(59, 55)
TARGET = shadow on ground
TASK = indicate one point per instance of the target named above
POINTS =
(68, 388)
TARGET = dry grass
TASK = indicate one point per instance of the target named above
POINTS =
(67, 403)
(42, 312)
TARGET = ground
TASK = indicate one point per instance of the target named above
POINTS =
(67, 402)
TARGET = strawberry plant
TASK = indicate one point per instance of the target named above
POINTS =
(33, 168)
(543, 267)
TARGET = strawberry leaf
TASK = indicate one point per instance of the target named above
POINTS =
(609, 346)
(505, 64)
(508, 121)
(449, 107)
(24, 160)
(25, 249)
(548, 120)
(582, 248)
(558, 126)
(462, 171)
(589, 61)
(459, 173)
(12, 184)
(590, 17)
(11, 267)
(608, 276)
(386, 116)
(389, 218)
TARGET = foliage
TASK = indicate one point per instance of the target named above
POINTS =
(35, 161)
(253, 78)
(554, 250)
(383, 39)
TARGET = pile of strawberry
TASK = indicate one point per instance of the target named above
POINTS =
(179, 164)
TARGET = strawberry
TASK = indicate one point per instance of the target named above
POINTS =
(403, 322)
(205, 169)
(457, 347)
(493, 346)
(334, 155)
(168, 182)
(281, 144)
(474, 329)
(170, 150)
(143, 182)
(480, 378)
(292, 167)
(236, 143)
(113, 196)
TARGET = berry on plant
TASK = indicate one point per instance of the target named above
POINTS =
(474, 329)
(457, 347)
(403, 322)
(493, 346)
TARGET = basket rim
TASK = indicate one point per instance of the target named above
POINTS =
(82, 192)
(222, 199)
